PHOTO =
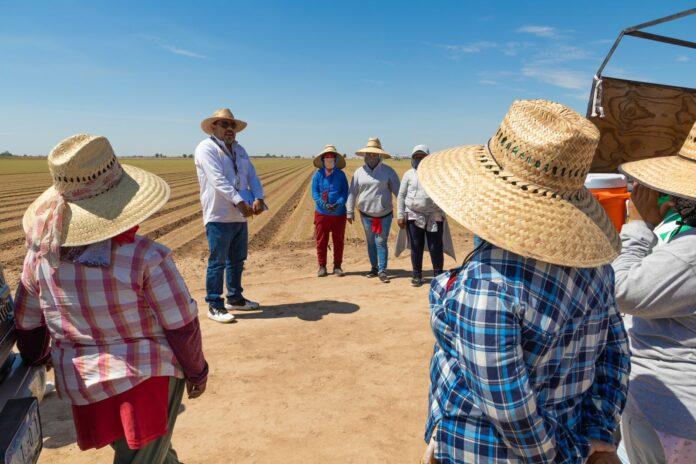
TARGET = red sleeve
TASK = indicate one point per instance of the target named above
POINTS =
(187, 345)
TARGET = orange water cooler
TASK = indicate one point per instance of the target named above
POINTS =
(611, 190)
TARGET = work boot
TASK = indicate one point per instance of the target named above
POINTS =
(322, 271)
(338, 272)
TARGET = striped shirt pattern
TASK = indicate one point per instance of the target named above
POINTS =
(531, 361)
(107, 323)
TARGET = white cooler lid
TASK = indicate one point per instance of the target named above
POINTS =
(603, 181)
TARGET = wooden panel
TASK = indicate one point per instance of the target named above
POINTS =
(642, 120)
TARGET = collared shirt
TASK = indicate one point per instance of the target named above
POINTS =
(531, 360)
(222, 186)
(107, 323)
(371, 190)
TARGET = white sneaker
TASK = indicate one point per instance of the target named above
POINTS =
(220, 315)
(247, 306)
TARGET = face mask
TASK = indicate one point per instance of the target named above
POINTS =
(415, 162)
(686, 209)
(372, 160)
(329, 163)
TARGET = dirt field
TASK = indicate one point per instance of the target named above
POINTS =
(328, 371)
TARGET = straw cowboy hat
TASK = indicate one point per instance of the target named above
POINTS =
(93, 195)
(340, 160)
(373, 146)
(675, 175)
(524, 191)
(219, 115)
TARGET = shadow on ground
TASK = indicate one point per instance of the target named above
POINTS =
(309, 311)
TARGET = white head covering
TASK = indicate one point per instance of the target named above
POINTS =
(420, 148)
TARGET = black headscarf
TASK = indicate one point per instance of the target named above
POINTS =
(686, 209)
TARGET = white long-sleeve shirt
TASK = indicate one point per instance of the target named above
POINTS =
(221, 187)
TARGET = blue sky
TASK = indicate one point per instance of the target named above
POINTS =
(306, 73)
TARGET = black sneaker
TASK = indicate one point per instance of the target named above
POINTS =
(416, 282)
(373, 273)
(383, 277)
(241, 304)
(220, 315)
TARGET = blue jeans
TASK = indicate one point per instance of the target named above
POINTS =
(227, 242)
(377, 248)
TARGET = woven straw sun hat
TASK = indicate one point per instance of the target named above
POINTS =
(373, 146)
(524, 191)
(675, 175)
(103, 198)
(219, 115)
(340, 160)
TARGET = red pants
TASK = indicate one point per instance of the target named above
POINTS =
(324, 225)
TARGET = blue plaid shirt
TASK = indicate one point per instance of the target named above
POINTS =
(531, 361)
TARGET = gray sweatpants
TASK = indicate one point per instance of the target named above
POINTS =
(159, 451)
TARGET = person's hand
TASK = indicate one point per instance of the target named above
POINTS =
(603, 457)
(429, 454)
(350, 220)
(194, 391)
(245, 209)
(601, 446)
(644, 202)
(259, 206)
(401, 222)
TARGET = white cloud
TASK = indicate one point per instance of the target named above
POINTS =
(564, 78)
(682, 58)
(562, 53)
(513, 48)
(540, 31)
(182, 52)
(474, 47)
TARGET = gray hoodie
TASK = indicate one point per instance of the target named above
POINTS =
(656, 286)
(372, 189)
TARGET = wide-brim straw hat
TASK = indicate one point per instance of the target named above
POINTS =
(103, 198)
(219, 115)
(373, 146)
(340, 160)
(675, 175)
(524, 191)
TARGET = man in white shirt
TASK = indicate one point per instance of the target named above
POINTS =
(230, 193)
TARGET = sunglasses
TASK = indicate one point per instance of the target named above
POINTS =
(225, 124)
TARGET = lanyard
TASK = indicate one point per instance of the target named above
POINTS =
(233, 157)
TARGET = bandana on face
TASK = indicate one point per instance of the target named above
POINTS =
(329, 163)
(415, 162)
(686, 209)
(372, 160)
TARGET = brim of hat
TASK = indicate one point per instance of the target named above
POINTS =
(466, 183)
(376, 151)
(207, 124)
(668, 174)
(340, 163)
(137, 195)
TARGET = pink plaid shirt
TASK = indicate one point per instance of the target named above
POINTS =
(107, 323)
